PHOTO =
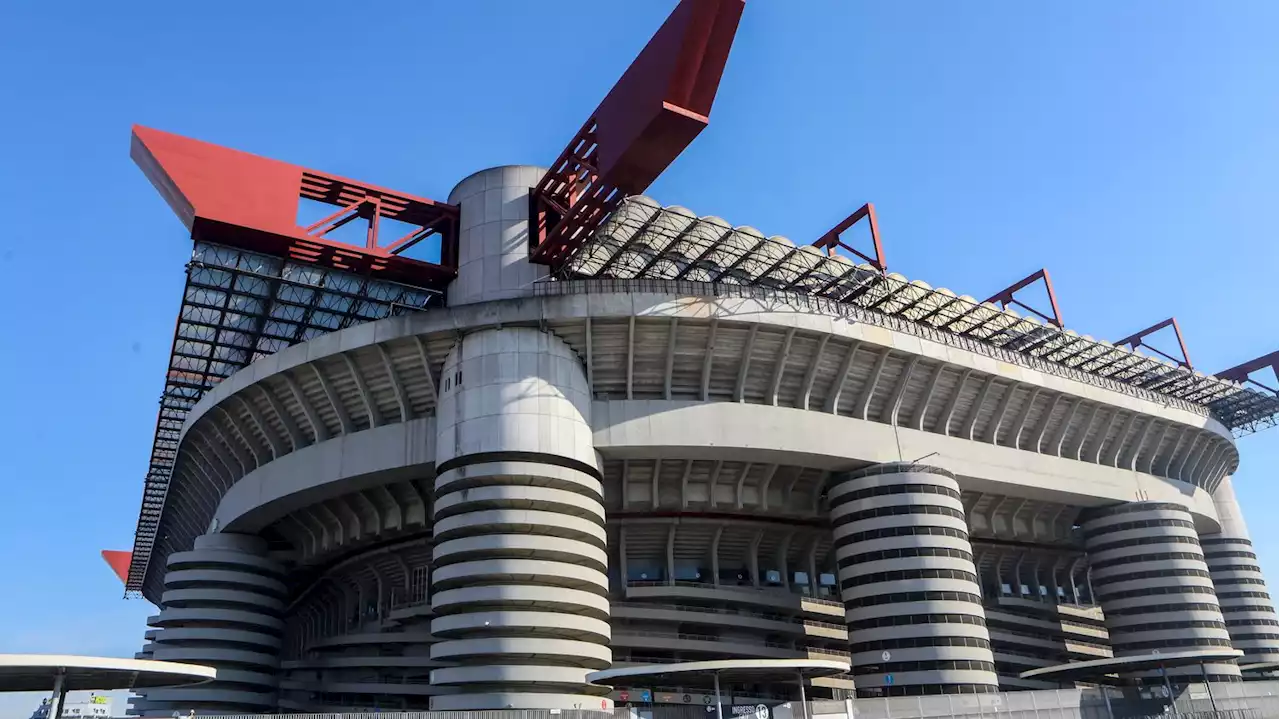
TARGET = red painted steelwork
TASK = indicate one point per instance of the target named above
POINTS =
(831, 240)
(1135, 340)
(1006, 297)
(229, 197)
(118, 561)
(655, 110)
(1241, 372)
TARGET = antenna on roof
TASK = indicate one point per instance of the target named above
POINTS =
(1135, 340)
(831, 240)
(1006, 297)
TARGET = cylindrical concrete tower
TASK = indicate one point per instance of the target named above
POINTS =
(1238, 581)
(907, 578)
(221, 607)
(1149, 574)
(493, 235)
(519, 587)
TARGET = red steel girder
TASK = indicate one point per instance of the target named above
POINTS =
(831, 240)
(1006, 297)
(655, 110)
(1135, 340)
(229, 197)
(118, 561)
(1241, 372)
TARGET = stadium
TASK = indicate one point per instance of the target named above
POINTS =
(594, 436)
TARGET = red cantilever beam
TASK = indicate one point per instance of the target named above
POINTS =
(1006, 297)
(655, 110)
(229, 197)
(1135, 341)
(831, 240)
(1241, 372)
(119, 562)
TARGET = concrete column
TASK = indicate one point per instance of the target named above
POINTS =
(493, 235)
(519, 590)
(221, 607)
(908, 582)
(1239, 583)
(1149, 575)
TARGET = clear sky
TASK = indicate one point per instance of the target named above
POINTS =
(1129, 147)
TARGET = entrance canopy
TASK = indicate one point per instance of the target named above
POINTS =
(1095, 668)
(41, 672)
(727, 669)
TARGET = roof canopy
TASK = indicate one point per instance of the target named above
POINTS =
(38, 673)
(727, 669)
(643, 240)
(1095, 668)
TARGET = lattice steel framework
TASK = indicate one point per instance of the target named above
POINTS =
(641, 240)
(237, 307)
(655, 110)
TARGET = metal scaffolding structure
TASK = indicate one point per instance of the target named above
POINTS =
(642, 240)
(237, 307)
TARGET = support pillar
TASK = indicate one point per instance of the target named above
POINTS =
(902, 546)
(1148, 573)
(1240, 585)
(59, 695)
(222, 606)
(520, 589)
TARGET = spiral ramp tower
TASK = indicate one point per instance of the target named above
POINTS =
(1154, 587)
(222, 607)
(1247, 608)
(909, 584)
(519, 586)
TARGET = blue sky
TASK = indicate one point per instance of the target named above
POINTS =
(1129, 147)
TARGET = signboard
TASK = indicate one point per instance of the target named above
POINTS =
(646, 696)
(750, 711)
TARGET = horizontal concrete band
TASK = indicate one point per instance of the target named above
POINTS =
(549, 676)
(486, 470)
(915, 498)
(526, 700)
(558, 549)
(221, 596)
(553, 652)
(554, 524)
(571, 601)
(498, 571)
(450, 503)
(539, 623)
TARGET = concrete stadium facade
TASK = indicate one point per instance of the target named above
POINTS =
(475, 506)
